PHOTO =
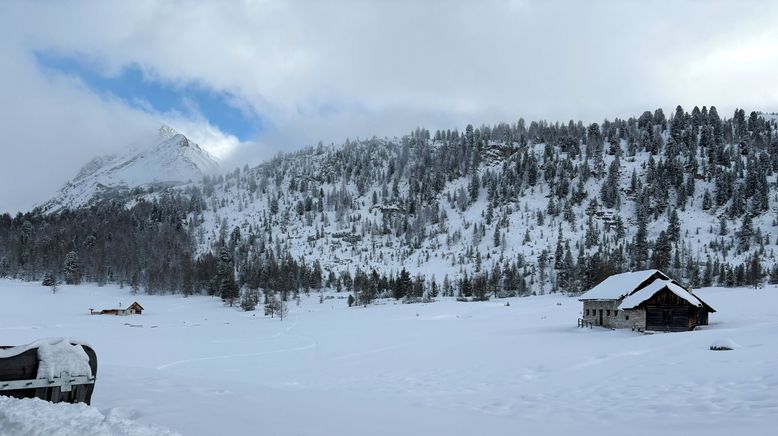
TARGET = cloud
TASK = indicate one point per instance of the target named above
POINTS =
(747, 62)
(286, 60)
(329, 70)
(50, 126)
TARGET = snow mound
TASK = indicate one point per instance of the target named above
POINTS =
(56, 356)
(59, 356)
(32, 417)
(723, 344)
(19, 349)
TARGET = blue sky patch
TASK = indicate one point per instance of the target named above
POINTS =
(138, 90)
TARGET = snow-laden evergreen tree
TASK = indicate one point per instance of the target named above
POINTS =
(72, 269)
(609, 193)
(228, 287)
(745, 234)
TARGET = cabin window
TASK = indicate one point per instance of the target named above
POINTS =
(626, 317)
(608, 312)
(615, 313)
(587, 312)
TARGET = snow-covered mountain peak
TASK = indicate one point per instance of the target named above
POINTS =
(167, 132)
(167, 158)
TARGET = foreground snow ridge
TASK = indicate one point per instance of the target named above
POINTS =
(31, 416)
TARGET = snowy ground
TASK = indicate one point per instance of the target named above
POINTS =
(196, 367)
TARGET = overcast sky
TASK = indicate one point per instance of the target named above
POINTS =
(246, 79)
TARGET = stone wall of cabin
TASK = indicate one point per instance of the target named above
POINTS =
(613, 317)
(631, 319)
(591, 311)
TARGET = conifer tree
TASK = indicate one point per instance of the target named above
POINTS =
(660, 257)
(674, 227)
(640, 244)
(403, 285)
(72, 269)
(609, 193)
(228, 288)
(745, 234)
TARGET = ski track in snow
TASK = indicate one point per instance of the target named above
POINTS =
(235, 356)
(370, 352)
(313, 344)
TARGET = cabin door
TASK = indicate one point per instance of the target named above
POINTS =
(600, 316)
(667, 319)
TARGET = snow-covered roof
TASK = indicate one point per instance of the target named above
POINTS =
(644, 294)
(19, 349)
(620, 285)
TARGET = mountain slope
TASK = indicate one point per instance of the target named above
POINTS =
(508, 209)
(537, 209)
(171, 159)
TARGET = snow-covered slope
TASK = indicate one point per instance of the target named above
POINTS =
(167, 158)
(352, 230)
(532, 209)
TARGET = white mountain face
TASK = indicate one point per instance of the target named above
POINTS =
(166, 158)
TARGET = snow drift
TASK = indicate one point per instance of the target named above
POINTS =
(32, 417)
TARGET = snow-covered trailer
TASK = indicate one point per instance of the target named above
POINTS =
(56, 370)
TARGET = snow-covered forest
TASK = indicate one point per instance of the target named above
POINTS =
(486, 212)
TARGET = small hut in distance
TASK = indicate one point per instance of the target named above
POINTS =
(132, 309)
(643, 300)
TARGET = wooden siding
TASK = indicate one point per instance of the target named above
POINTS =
(668, 312)
(669, 318)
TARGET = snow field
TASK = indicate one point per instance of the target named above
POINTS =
(197, 367)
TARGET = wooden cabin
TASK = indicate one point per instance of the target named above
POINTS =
(132, 309)
(643, 300)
